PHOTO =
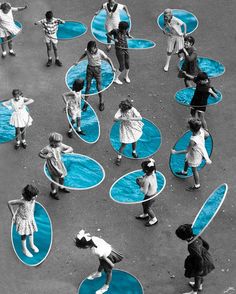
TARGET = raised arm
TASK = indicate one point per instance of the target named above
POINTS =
(45, 154)
(28, 101)
(81, 57)
(185, 28)
(191, 144)
(126, 10)
(19, 8)
(66, 149)
(7, 104)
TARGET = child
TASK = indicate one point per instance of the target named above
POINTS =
(55, 165)
(113, 10)
(106, 254)
(175, 37)
(148, 185)
(95, 57)
(50, 26)
(8, 28)
(201, 94)
(73, 102)
(119, 36)
(20, 117)
(130, 127)
(24, 217)
(195, 153)
(190, 65)
(199, 263)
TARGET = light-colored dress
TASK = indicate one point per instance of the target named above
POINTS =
(20, 117)
(24, 218)
(113, 18)
(74, 105)
(130, 131)
(198, 151)
(7, 24)
(176, 39)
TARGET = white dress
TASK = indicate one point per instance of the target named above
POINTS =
(20, 117)
(24, 218)
(7, 24)
(113, 18)
(74, 105)
(130, 131)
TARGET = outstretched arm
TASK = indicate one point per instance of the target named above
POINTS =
(212, 93)
(191, 144)
(19, 8)
(81, 57)
(28, 101)
(110, 62)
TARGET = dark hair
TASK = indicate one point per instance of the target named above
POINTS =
(5, 5)
(202, 76)
(15, 92)
(146, 168)
(78, 85)
(184, 232)
(90, 45)
(125, 105)
(49, 14)
(29, 192)
(195, 124)
(123, 25)
(83, 243)
(189, 39)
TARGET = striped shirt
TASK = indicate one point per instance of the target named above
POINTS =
(50, 27)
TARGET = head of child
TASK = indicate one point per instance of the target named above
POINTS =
(78, 85)
(83, 240)
(189, 41)
(123, 26)
(55, 139)
(184, 232)
(49, 16)
(167, 15)
(112, 2)
(125, 105)
(29, 192)
(5, 7)
(194, 125)
(16, 93)
(148, 166)
(202, 78)
(92, 47)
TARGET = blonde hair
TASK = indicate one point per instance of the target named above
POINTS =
(55, 137)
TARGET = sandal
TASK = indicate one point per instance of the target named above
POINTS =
(24, 145)
(17, 145)
(70, 134)
(134, 154)
(192, 188)
(101, 106)
(181, 173)
(118, 161)
(54, 195)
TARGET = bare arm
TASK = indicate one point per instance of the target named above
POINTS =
(11, 203)
(110, 62)
(45, 154)
(126, 10)
(81, 57)
(66, 96)
(185, 28)
(7, 104)
(19, 8)
(191, 144)
(212, 93)
(28, 101)
(145, 187)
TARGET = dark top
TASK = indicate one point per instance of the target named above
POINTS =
(199, 262)
(190, 64)
(121, 37)
(201, 93)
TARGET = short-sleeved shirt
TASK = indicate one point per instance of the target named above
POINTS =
(103, 249)
(50, 28)
(113, 16)
(174, 26)
(121, 37)
(201, 94)
(95, 59)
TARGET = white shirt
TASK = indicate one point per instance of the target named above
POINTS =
(95, 59)
(103, 248)
(113, 16)
(175, 26)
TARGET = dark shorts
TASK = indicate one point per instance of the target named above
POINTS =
(147, 204)
(194, 109)
(123, 58)
(93, 72)
(114, 257)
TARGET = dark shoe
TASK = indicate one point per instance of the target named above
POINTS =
(180, 173)
(150, 225)
(54, 195)
(70, 134)
(101, 106)
(12, 54)
(85, 107)
(64, 190)
(58, 62)
(193, 188)
(17, 146)
(118, 161)
(142, 218)
(82, 133)
(135, 155)
(49, 63)
(24, 145)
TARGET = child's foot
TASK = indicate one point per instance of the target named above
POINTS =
(80, 132)
(193, 188)
(49, 63)
(108, 48)
(182, 173)
(117, 81)
(152, 222)
(4, 54)
(17, 145)
(94, 276)
(70, 134)
(35, 249)
(192, 284)
(118, 160)
(64, 190)
(166, 68)
(142, 216)
(23, 144)
(58, 62)
(127, 80)
(103, 289)
(101, 106)
(54, 195)
(12, 53)
(27, 253)
(134, 154)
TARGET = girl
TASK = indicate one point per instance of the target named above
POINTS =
(113, 10)
(148, 185)
(190, 65)
(8, 27)
(201, 94)
(106, 254)
(73, 104)
(119, 36)
(130, 127)
(195, 152)
(199, 263)
(20, 117)
(23, 217)
(55, 165)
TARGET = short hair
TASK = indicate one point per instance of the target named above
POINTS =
(91, 44)
(202, 76)
(149, 169)
(83, 243)
(125, 105)
(15, 92)
(29, 192)
(49, 14)
(55, 137)
(5, 6)
(195, 124)
(123, 25)
(168, 11)
(184, 232)
(78, 85)
(189, 39)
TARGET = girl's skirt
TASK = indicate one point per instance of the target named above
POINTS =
(21, 119)
(114, 257)
(25, 226)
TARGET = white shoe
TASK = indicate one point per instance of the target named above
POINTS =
(94, 276)
(35, 249)
(117, 81)
(27, 253)
(103, 289)
(191, 284)
(127, 79)
(192, 292)
(166, 68)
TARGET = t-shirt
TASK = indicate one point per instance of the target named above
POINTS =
(103, 249)
(121, 37)
(113, 16)
(174, 26)
(201, 93)
(50, 28)
(95, 59)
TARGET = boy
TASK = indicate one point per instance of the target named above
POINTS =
(175, 39)
(50, 26)
(119, 36)
(95, 57)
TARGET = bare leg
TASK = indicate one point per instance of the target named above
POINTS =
(201, 116)
(54, 46)
(196, 176)
(31, 241)
(24, 247)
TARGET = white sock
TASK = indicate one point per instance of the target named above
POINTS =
(11, 50)
(153, 221)
(119, 156)
(168, 57)
(79, 129)
(197, 186)
(4, 53)
(118, 74)
(127, 73)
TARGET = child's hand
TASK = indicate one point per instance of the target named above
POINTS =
(173, 151)
(26, 6)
